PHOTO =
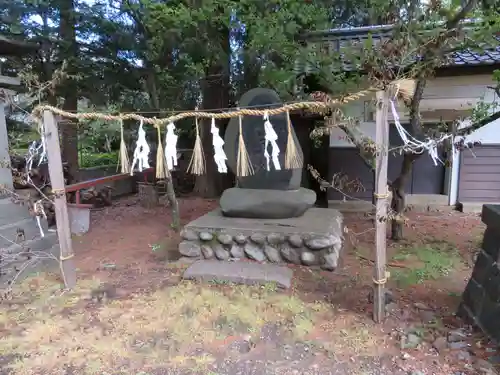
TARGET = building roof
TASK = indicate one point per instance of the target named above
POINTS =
(10, 47)
(345, 37)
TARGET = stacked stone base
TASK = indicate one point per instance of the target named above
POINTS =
(314, 239)
(481, 299)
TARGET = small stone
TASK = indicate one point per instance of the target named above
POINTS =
(321, 242)
(421, 306)
(237, 252)
(457, 345)
(272, 254)
(405, 356)
(189, 235)
(457, 335)
(207, 252)
(440, 344)
(308, 258)
(220, 252)
(240, 239)
(330, 261)
(275, 238)
(463, 355)
(254, 252)
(225, 239)
(416, 373)
(411, 341)
(295, 240)
(206, 236)
(189, 249)
(427, 316)
(290, 255)
(258, 238)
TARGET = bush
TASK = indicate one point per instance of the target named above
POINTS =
(89, 160)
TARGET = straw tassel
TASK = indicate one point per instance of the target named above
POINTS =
(124, 161)
(293, 158)
(197, 163)
(243, 163)
(160, 156)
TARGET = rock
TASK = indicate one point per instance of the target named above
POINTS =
(220, 252)
(189, 235)
(272, 254)
(254, 252)
(484, 367)
(253, 134)
(275, 238)
(189, 249)
(225, 239)
(421, 306)
(241, 346)
(410, 341)
(206, 236)
(440, 344)
(427, 316)
(295, 240)
(457, 335)
(308, 258)
(330, 261)
(207, 252)
(463, 355)
(391, 307)
(266, 204)
(237, 252)
(457, 345)
(258, 238)
(319, 243)
(290, 255)
(389, 297)
(240, 239)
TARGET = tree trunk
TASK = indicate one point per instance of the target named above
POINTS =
(69, 51)
(398, 203)
(215, 93)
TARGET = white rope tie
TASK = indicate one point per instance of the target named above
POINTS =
(141, 152)
(271, 137)
(219, 154)
(414, 145)
(171, 146)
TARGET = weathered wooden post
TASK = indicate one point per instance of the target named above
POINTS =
(66, 260)
(381, 195)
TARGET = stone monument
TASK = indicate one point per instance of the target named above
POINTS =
(273, 194)
(268, 217)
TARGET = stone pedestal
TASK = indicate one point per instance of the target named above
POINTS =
(314, 239)
(481, 299)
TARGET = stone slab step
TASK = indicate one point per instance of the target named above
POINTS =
(9, 232)
(39, 265)
(240, 272)
(36, 244)
(12, 212)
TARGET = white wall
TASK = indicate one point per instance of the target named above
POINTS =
(445, 99)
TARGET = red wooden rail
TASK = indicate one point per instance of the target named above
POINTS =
(102, 180)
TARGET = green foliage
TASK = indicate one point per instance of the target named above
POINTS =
(89, 160)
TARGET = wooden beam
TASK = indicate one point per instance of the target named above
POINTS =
(381, 196)
(66, 260)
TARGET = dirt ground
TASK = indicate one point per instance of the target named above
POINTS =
(132, 314)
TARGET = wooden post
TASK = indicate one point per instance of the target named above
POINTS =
(176, 219)
(381, 195)
(66, 260)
